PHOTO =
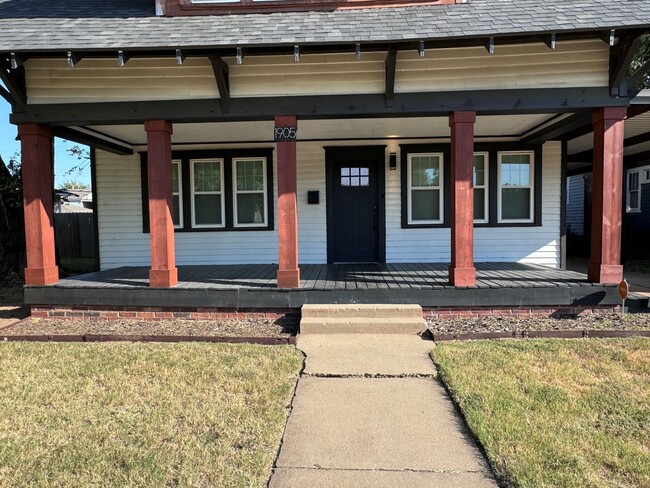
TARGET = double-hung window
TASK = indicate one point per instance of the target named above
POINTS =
(515, 197)
(207, 184)
(481, 197)
(425, 188)
(633, 192)
(249, 195)
(177, 191)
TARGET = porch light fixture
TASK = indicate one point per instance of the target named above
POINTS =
(421, 49)
(240, 56)
(392, 161)
(296, 54)
(357, 52)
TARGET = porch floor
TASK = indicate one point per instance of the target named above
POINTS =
(254, 286)
(323, 277)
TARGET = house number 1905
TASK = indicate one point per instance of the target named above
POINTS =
(285, 133)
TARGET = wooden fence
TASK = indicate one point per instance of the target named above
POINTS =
(75, 235)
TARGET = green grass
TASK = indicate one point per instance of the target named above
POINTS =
(145, 415)
(565, 413)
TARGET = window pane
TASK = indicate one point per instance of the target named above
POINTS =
(176, 215)
(479, 170)
(634, 200)
(515, 170)
(425, 171)
(425, 205)
(515, 203)
(207, 209)
(250, 208)
(207, 176)
(250, 175)
(479, 204)
(633, 181)
(175, 186)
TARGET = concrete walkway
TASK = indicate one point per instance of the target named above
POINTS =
(370, 412)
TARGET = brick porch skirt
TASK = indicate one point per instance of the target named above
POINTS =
(161, 313)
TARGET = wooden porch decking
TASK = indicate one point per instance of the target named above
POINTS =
(254, 286)
(322, 277)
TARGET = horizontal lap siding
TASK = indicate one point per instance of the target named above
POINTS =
(571, 64)
(575, 63)
(123, 243)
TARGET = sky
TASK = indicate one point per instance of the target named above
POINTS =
(63, 162)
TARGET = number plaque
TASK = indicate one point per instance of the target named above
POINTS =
(285, 133)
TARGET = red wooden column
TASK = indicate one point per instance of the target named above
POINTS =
(163, 271)
(288, 271)
(36, 149)
(607, 197)
(462, 271)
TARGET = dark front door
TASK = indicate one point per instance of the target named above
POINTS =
(355, 219)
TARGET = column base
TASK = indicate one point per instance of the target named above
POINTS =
(163, 278)
(605, 273)
(289, 278)
(41, 276)
(462, 276)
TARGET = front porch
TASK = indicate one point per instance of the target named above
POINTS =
(245, 287)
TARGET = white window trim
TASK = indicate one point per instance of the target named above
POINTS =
(440, 187)
(179, 193)
(222, 193)
(628, 208)
(236, 192)
(531, 219)
(485, 186)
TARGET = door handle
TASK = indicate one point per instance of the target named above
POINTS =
(375, 212)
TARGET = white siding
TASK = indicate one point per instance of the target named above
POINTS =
(123, 243)
(575, 208)
(571, 64)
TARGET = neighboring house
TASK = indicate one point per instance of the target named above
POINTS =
(339, 131)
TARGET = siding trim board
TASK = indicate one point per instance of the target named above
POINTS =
(492, 149)
(227, 155)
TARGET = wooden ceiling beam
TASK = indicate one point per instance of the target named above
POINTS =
(391, 64)
(220, 68)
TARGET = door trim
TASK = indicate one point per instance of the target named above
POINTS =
(334, 154)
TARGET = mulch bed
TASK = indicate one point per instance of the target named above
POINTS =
(93, 329)
(495, 327)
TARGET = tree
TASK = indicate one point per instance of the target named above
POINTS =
(12, 233)
(74, 185)
(640, 58)
(83, 156)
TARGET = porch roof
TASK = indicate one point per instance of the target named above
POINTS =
(43, 25)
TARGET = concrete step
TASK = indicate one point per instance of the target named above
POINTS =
(361, 325)
(374, 311)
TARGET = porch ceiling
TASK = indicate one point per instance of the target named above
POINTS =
(501, 126)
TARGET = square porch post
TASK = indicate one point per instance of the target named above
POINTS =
(163, 271)
(288, 271)
(462, 271)
(607, 197)
(37, 168)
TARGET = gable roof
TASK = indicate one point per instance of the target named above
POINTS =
(44, 25)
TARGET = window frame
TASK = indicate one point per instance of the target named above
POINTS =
(531, 186)
(236, 192)
(179, 193)
(628, 191)
(485, 186)
(440, 188)
(222, 193)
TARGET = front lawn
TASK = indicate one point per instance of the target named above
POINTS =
(146, 415)
(556, 412)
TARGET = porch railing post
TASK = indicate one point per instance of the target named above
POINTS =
(38, 187)
(288, 271)
(462, 271)
(607, 197)
(163, 271)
